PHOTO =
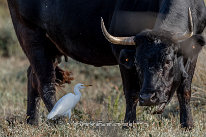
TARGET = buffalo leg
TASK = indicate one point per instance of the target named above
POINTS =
(131, 91)
(184, 96)
(33, 98)
(43, 66)
(42, 59)
(41, 53)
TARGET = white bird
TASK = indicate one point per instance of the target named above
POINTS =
(64, 105)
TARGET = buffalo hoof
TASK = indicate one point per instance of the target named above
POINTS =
(187, 126)
(129, 125)
(33, 122)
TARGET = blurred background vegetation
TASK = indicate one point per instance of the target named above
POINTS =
(104, 101)
(8, 41)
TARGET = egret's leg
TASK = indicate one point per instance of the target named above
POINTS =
(68, 113)
(33, 99)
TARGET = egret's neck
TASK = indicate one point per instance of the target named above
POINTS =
(76, 91)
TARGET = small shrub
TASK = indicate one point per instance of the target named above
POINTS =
(8, 41)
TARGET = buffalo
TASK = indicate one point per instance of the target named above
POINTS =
(156, 54)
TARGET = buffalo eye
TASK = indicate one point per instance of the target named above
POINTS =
(167, 62)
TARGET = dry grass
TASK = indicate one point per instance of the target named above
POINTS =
(103, 101)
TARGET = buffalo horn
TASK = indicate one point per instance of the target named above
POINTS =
(116, 40)
(189, 33)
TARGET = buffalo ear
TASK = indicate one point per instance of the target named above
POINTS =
(126, 58)
(192, 46)
(199, 39)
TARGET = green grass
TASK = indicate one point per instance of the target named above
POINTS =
(103, 101)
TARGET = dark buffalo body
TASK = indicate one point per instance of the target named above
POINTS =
(157, 62)
(73, 25)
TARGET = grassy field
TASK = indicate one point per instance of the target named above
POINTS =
(104, 101)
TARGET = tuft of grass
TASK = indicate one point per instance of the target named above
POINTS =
(116, 105)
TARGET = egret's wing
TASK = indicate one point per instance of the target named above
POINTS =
(62, 105)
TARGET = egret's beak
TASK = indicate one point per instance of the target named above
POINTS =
(87, 85)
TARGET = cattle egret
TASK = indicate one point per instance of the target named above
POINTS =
(64, 105)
